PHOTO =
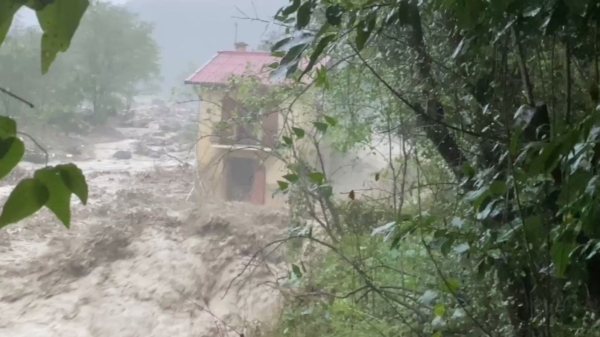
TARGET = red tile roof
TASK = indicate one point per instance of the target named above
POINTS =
(226, 64)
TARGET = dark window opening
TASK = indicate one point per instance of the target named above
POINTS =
(240, 180)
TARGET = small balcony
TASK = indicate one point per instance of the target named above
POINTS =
(257, 130)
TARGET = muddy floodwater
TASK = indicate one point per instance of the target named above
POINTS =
(145, 257)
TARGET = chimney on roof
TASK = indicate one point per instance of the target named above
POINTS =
(240, 46)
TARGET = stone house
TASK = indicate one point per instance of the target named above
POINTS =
(235, 161)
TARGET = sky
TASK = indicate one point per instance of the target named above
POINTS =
(28, 16)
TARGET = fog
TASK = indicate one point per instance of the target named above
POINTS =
(189, 32)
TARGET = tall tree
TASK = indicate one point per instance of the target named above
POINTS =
(54, 95)
(117, 58)
(505, 93)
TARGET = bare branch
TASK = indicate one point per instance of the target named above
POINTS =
(22, 100)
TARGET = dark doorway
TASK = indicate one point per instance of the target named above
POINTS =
(240, 180)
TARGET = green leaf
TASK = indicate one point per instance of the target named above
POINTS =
(289, 62)
(532, 226)
(291, 8)
(447, 246)
(27, 198)
(560, 252)
(384, 229)
(323, 43)
(468, 170)
(59, 21)
(59, 201)
(440, 233)
(333, 14)
(321, 126)
(287, 140)
(437, 334)
(478, 196)
(488, 210)
(316, 177)
(404, 12)
(363, 31)
(303, 15)
(298, 132)
(326, 190)
(37, 5)
(482, 268)
(450, 285)
(577, 6)
(74, 179)
(554, 157)
(575, 186)
(11, 151)
(296, 270)
(498, 187)
(330, 120)
(590, 221)
(8, 9)
(515, 141)
(402, 233)
(321, 80)
(282, 185)
(8, 127)
(292, 178)
(277, 46)
(468, 12)
(557, 19)
(278, 54)
(439, 309)
(324, 29)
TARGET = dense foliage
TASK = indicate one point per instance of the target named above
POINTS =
(110, 60)
(51, 186)
(500, 98)
(494, 104)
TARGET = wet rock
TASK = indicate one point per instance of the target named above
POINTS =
(122, 155)
(144, 150)
(156, 142)
(170, 126)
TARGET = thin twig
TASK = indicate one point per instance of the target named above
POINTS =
(523, 68)
(568, 75)
(201, 307)
(36, 144)
(6, 91)
(439, 270)
(416, 108)
(252, 259)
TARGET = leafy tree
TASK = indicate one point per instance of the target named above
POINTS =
(55, 95)
(19, 62)
(110, 63)
(116, 57)
(503, 96)
(50, 186)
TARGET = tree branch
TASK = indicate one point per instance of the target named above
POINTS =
(22, 100)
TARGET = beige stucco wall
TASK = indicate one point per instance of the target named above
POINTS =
(210, 157)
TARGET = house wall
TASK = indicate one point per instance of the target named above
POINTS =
(351, 171)
(210, 161)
